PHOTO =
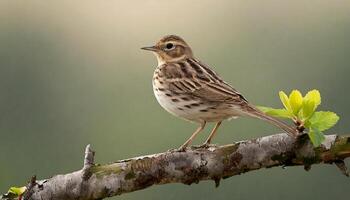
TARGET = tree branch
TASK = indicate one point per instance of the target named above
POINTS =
(194, 165)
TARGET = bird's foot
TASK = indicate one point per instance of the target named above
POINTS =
(180, 149)
(205, 145)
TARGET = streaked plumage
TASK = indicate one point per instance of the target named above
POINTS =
(189, 89)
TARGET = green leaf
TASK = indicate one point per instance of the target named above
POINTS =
(316, 137)
(285, 100)
(295, 101)
(315, 96)
(310, 103)
(276, 112)
(17, 190)
(307, 110)
(323, 120)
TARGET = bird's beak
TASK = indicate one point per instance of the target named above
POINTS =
(152, 48)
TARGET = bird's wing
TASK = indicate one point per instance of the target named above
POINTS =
(206, 85)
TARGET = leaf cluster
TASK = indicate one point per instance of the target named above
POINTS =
(302, 110)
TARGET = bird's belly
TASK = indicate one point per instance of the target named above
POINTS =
(192, 110)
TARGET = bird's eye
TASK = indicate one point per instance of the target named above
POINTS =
(169, 46)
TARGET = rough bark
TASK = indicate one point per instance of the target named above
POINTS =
(196, 164)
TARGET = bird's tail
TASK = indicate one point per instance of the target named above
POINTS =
(274, 121)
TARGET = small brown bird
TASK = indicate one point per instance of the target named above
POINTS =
(189, 89)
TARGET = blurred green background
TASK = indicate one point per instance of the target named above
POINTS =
(72, 73)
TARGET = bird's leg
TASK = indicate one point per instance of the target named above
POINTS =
(212, 134)
(199, 129)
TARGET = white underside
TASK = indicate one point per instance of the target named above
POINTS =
(194, 114)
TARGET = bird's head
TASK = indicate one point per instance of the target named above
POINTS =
(170, 48)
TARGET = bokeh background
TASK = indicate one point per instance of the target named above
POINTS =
(72, 73)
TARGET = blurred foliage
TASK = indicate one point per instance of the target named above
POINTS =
(72, 73)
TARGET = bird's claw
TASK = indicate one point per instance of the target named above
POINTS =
(180, 149)
(205, 145)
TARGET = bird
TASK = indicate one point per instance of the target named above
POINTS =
(187, 88)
